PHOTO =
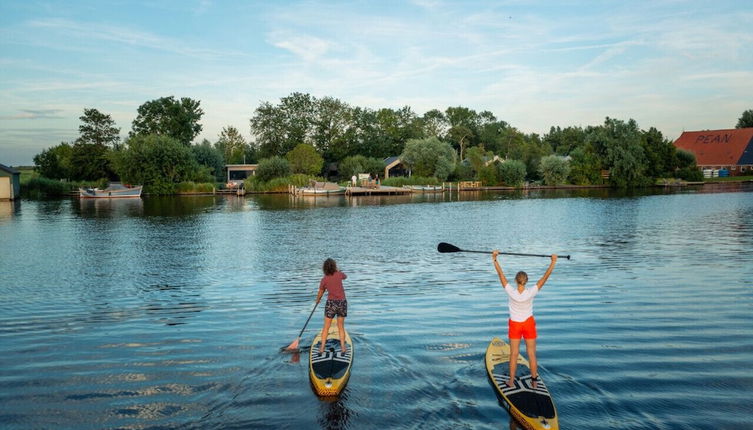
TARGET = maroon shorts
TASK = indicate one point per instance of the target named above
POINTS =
(336, 307)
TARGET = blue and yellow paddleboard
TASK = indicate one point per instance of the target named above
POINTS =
(329, 371)
(532, 407)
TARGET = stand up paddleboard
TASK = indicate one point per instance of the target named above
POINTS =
(532, 407)
(329, 371)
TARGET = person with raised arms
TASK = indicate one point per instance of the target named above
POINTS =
(521, 323)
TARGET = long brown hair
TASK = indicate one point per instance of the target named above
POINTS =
(329, 267)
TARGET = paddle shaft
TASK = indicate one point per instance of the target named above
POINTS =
(446, 247)
(307, 320)
(515, 253)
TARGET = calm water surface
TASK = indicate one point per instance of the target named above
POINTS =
(166, 313)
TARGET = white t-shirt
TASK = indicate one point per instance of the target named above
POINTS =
(520, 304)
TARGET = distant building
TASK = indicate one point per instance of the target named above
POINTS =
(10, 183)
(720, 149)
(237, 173)
(393, 166)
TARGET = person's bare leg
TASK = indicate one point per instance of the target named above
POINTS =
(325, 331)
(531, 351)
(514, 351)
(341, 331)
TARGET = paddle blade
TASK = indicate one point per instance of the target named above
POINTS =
(447, 247)
(293, 345)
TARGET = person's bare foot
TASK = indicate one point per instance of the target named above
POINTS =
(511, 382)
(534, 381)
(344, 349)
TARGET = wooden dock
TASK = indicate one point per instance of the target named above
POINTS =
(375, 191)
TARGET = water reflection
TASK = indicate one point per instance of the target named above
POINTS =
(109, 208)
(334, 413)
(8, 208)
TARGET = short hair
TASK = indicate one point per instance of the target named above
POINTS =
(329, 267)
(521, 277)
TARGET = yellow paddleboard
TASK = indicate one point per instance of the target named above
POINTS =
(532, 407)
(329, 371)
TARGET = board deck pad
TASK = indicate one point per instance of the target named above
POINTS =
(532, 407)
(332, 363)
(329, 371)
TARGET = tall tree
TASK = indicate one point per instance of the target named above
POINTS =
(332, 132)
(618, 143)
(278, 129)
(55, 162)
(429, 157)
(304, 159)
(98, 129)
(232, 145)
(745, 120)
(167, 116)
(157, 162)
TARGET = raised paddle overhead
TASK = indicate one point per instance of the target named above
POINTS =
(330, 370)
(531, 407)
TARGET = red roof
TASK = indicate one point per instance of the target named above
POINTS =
(718, 147)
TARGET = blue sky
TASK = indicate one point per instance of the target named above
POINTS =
(673, 65)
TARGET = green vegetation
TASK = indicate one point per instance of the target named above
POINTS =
(400, 181)
(745, 120)
(277, 184)
(193, 187)
(304, 137)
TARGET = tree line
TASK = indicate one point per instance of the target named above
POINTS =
(306, 135)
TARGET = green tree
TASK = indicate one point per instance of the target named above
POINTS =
(585, 166)
(304, 159)
(167, 116)
(434, 124)
(332, 128)
(278, 129)
(554, 169)
(660, 153)
(619, 145)
(477, 157)
(564, 141)
(356, 164)
(232, 145)
(55, 162)
(745, 120)
(488, 175)
(211, 158)
(90, 162)
(98, 129)
(512, 172)
(272, 167)
(685, 159)
(429, 157)
(156, 161)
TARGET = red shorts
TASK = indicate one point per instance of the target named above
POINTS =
(525, 329)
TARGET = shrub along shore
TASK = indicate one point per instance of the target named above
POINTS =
(304, 137)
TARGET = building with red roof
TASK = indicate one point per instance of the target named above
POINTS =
(720, 149)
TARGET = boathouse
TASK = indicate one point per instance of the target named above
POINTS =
(10, 183)
(393, 166)
(237, 173)
(730, 150)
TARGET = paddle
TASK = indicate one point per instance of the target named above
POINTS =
(294, 344)
(448, 247)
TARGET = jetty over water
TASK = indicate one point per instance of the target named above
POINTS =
(373, 191)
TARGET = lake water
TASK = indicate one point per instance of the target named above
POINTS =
(171, 312)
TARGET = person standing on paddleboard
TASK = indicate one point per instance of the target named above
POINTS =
(336, 304)
(521, 323)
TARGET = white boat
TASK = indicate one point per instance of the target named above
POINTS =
(308, 191)
(114, 191)
(321, 189)
(425, 188)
